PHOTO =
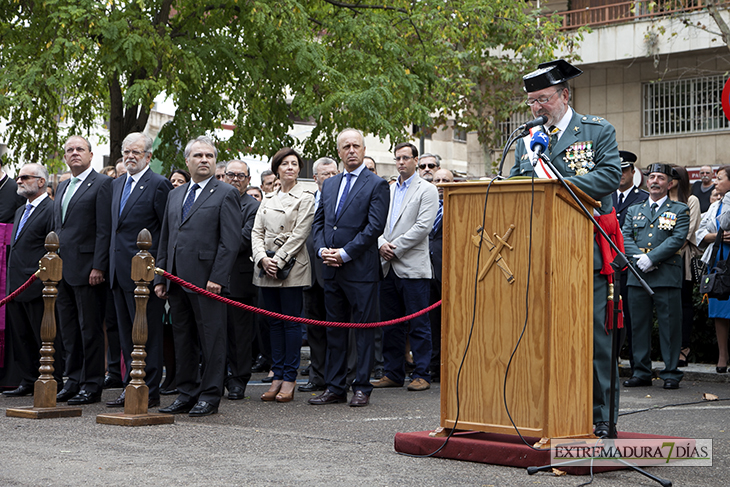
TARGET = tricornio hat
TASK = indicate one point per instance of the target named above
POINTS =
(664, 169)
(627, 158)
(550, 74)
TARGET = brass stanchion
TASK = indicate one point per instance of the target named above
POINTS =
(50, 271)
(136, 394)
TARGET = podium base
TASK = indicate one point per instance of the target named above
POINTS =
(123, 419)
(43, 413)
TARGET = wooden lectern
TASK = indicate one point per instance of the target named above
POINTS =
(550, 381)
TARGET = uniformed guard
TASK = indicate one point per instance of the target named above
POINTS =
(654, 232)
(583, 149)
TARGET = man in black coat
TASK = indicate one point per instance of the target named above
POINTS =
(10, 200)
(240, 323)
(82, 221)
(138, 201)
(33, 222)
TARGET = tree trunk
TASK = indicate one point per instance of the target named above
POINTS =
(721, 24)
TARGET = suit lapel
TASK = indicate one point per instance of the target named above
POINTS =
(33, 216)
(83, 186)
(139, 188)
(117, 190)
(354, 189)
(412, 188)
(204, 195)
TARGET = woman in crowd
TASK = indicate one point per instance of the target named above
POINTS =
(281, 266)
(680, 191)
(178, 177)
(719, 310)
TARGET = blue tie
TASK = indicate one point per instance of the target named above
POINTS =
(439, 216)
(125, 194)
(28, 208)
(344, 194)
(189, 200)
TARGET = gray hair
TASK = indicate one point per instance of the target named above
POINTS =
(322, 161)
(221, 164)
(134, 137)
(88, 144)
(40, 170)
(435, 156)
(203, 139)
(267, 172)
(240, 162)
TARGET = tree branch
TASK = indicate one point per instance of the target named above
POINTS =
(715, 14)
(355, 6)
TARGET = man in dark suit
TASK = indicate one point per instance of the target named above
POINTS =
(351, 216)
(314, 306)
(32, 223)
(199, 243)
(625, 196)
(241, 323)
(82, 221)
(138, 201)
(10, 200)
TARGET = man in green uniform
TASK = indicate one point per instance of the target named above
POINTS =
(583, 149)
(654, 231)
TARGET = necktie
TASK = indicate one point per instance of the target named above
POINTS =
(553, 131)
(189, 200)
(654, 207)
(621, 199)
(439, 216)
(67, 197)
(28, 208)
(125, 194)
(344, 194)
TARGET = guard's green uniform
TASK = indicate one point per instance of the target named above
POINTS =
(660, 237)
(597, 172)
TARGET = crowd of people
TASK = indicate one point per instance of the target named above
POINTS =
(353, 250)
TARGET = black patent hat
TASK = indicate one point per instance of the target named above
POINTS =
(550, 74)
(627, 158)
(664, 169)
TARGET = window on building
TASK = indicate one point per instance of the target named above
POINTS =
(459, 134)
(684, 106)
(508, 126)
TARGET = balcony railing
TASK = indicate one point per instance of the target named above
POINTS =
(629, 11)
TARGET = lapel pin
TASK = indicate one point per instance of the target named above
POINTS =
(212, 190)
(141, 187)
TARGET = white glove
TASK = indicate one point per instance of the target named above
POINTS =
(644, 263)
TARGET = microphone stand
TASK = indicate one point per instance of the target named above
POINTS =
(618, 263)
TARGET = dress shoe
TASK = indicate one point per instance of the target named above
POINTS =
(602, 429)
(386, 382)
(378, 373)
(112, 382)
(84, 397)
(721, 370)
(360, 399)
(327, 397)
(260, 365)
(419, 385)
(66, 394)
(286, 394)
(118, 402)
(236, 393)
(268, 379)
(178, 406)
(169, 392)
(22, 390)
(671, 384)
(305, 372)
(270, 395)
(153, 403)
(311, 387)
(636, 382)
(203, 409)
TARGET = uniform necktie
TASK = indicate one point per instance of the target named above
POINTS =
(125, 194)
(344, 194)
(621, 199)
(654, 207)
(189, 200)
(67, 197)
(439, 216)
(553, 131)
(28, 208)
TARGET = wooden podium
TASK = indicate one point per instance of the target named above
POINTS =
(550, 382)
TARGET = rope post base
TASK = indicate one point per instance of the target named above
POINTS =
(136, 395)
(45, 388)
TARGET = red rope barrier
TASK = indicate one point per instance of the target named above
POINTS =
(295, 319)
(22, 288)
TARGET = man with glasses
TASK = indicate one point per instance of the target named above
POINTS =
(240, 323)
(583, 149)
(138, 201)
(703, 188)
(428, 164)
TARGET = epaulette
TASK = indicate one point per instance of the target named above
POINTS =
(592, 119)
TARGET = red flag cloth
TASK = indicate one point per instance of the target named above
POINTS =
(609, 224)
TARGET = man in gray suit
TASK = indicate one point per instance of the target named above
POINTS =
(404, 255)
(200, 239)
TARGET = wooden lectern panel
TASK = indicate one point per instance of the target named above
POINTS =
(549, 385)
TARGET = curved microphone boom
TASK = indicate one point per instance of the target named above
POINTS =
(541, 120)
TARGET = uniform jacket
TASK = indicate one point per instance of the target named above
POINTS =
(242, 272)
(145, 208)
(660, 237)
(412, 225)
(84, 236)
(204, 246)
(283, 224)
(356, 229)
(635, 196)
(27, 248)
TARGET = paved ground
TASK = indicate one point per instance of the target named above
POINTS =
(254, 443)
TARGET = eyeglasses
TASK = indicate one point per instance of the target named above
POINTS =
(404, 158)
(236, 175)
(705, 172)
(542, 100)
(429, 165)
(135, 153)
(26, 177)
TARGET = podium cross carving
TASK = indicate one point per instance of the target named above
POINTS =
(495, 255)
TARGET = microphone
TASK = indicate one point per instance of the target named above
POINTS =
(539, 141)
(541, 120)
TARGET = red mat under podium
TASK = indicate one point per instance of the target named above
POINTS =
(494, 448)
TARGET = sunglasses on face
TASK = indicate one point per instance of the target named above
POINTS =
(430, 165)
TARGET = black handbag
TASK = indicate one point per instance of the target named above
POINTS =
(698, 269)
(716, 282)
(283, 273)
